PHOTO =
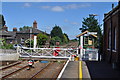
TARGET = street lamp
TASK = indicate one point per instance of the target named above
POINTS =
(99, 57)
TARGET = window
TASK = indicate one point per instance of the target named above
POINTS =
(109, 38)
(115, 39)
(22, 40)
(86, 40)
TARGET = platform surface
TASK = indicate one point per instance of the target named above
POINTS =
(72, 70)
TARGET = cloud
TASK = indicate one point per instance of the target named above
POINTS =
(65, 7)
(45, 7)
(70, 22)
(76, 6)
(57, 9)
(59, 0)
(53, 8)
(27, 5)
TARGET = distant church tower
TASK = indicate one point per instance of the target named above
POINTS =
(35, 24)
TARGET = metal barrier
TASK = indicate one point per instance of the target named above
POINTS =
(47, 52)
(90, 54)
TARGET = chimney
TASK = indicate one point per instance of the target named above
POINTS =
(112, 6)
(14, 29)
(105, 14)
(5, 28)
(119, 2)
(35, 24)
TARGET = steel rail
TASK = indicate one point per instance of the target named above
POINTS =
(14, 72)
(40, 71)
(11, 65)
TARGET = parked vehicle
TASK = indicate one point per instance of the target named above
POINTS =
(17, 45)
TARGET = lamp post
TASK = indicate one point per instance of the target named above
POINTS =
(99, 56)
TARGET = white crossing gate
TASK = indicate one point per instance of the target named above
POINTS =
(47, 52)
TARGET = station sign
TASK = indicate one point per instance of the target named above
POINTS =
(92, 33)
(86, 34)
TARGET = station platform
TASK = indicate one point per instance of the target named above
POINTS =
(73, 71)
(101, 70)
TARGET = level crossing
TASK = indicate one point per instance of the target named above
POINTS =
(47, 52)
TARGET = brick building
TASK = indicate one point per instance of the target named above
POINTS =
(21, 36)
(111, 47)
(9, 36)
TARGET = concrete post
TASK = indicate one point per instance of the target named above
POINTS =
(35, 42)
(81, 47)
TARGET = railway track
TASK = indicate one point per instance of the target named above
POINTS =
(49, 70)
(11, 65)
(37, 73)
(10, 70)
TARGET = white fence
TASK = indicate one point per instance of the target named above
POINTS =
(47, 52)
(90, 54)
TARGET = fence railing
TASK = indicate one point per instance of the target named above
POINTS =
(47, 52)
(90, 54)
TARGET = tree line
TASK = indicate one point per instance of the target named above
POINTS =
(56, 35)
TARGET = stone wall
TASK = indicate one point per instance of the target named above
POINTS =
(8, 51)
(8, 55)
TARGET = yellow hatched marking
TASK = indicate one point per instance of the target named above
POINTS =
(80, 70)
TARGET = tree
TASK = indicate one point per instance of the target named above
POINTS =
(66, 36)
(54, 40)
(4, 45)
(41, 39)
(24, 28)
(2, 21)
(91, 24)
(57, 31)
(65, 39)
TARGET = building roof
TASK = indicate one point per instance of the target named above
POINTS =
(85, 32)
(33, 31)
(7, 34)
(82, 33)
(112, 11)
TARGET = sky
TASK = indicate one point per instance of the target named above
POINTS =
(67, 15)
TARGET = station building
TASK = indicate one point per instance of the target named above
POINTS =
(86, 40)
(111, 39)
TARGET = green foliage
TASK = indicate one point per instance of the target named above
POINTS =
(4, 45)
(67, 36)
(2, 21)
(65, 39)
(41, 39)
(24, 28)
(54, 39)
(57, 31)
(29, 42)
(57, 35)
(91, 24)
(73, 40)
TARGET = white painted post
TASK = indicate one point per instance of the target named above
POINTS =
(97, 55)
(35, 42)
(81, 47)
(77, 50)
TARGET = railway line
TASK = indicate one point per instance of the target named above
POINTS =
(40, 70)
(11, 65)
(51, 71)
(12, 69)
